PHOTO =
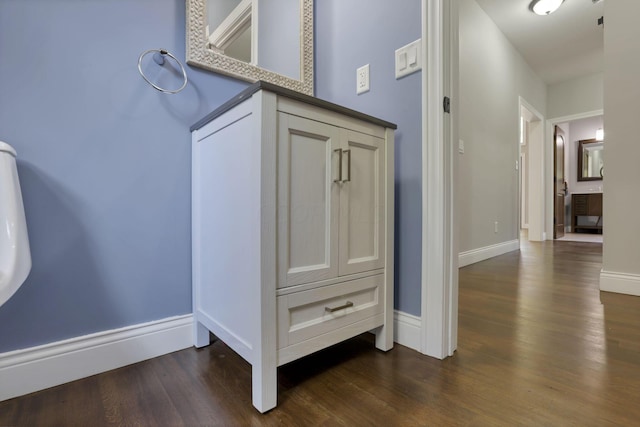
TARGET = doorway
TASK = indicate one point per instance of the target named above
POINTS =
(576, 128)
(559, 182)
(531, 166)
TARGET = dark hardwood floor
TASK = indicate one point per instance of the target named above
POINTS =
(537, 347)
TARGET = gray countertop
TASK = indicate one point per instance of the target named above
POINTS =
(260, 85)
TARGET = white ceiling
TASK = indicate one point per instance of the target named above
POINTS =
(561, 46)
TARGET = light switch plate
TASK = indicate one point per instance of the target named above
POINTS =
(362, 79)
(409, 59)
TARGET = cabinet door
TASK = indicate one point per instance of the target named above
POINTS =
(580, 204)
(595, 204)
(362, 204)
(308, 200)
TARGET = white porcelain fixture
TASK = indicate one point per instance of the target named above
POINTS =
(15, 256)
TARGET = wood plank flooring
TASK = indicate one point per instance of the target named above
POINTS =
(537, 347)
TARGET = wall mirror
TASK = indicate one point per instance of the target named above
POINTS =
(590, 165)
(270, 40)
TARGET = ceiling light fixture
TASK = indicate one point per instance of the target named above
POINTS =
(545, 7)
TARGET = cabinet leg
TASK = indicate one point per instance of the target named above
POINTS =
(264, 386)
(200, 335)
(384, 337)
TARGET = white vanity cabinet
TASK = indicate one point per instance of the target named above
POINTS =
(292, 229)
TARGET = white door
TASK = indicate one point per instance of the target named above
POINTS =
(308, 200)
(361, 203)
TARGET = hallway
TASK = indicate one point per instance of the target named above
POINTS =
(532, 323)
(536, 348)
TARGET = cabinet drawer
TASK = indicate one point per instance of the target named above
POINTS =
(580, 204)
(307, 314)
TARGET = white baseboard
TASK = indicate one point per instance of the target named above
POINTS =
(37, 368)
(620, 283)
(406, 329)
(481, 254)
(32, 369)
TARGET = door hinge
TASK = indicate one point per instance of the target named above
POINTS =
(446, 104)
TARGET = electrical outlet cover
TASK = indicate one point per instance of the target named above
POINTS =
(362, 79)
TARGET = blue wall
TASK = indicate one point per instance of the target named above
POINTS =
(104, 163)
(105, 160)
(349, 34)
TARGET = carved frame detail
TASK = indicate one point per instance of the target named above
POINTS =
(200, 56)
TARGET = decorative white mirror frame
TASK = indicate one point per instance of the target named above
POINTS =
(199, 55)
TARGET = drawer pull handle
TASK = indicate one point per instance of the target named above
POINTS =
(346, 305)
(348, 166)
(339, 151)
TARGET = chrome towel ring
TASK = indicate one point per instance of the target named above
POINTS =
(159, 58)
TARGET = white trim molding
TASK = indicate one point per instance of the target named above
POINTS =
(406, 329)
(621, 283)
(439, 299)
(481, 254)
(537, 170)
(434, 305)
(233, 26)
(37, 368)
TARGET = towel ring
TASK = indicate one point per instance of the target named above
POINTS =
(158, 57)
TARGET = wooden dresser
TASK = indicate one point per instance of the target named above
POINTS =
(292, 229)
(586, 204)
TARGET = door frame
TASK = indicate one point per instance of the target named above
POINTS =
(549, 190)
(524, 169)
(535, 169)
(557, 130)
(439, 283)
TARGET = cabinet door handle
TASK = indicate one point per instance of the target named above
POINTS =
(348, 166)
(346, 305)
(339, 151)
